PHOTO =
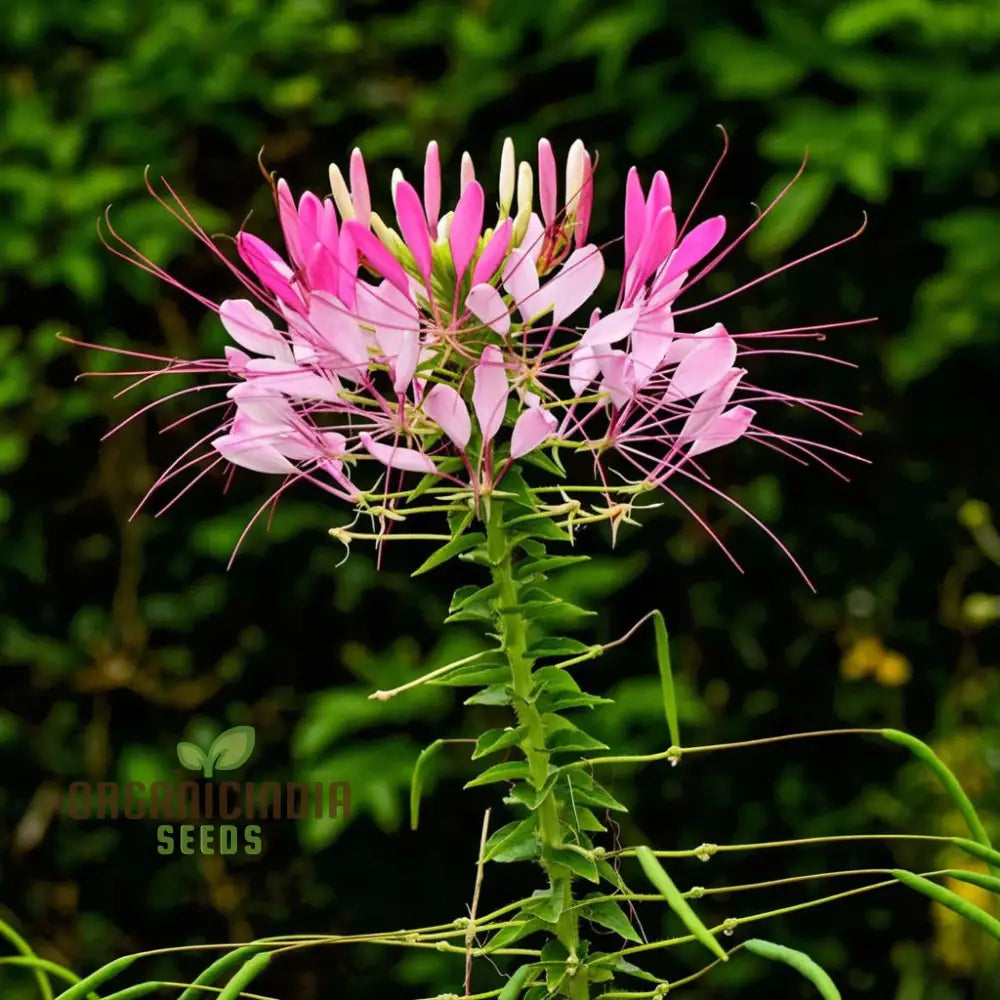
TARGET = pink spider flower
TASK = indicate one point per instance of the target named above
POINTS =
(452, 348)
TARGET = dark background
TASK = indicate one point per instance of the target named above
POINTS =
(119, 638)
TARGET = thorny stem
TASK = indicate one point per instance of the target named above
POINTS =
(514, 637)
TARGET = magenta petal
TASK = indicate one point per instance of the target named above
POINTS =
(531, 429)
(725, 429)
(404, 459)
(322, 269)
(698, 243)
(635, 215)
(252, 329)
(466, 227)
(614, 327)
(444, 405)
(659, 196)
(493, 253)
(289, 219)
(488, 307)
(413, 226)
(432, 184)
(547, 181)
(274, 274)
(310, 213)
(489, 392)
(586, 203)
(702, 367)
(326, 225)
(377, 255)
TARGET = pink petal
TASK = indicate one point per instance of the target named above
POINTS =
(444, 405)
(725, 429)
(493, 253)
(710, 405)
(619, 377)
(413, 226)
(576, 281)
(252, 329)
(685, 343)
(489, 392)
(659, 196)
(698, 243)
(467, 174)
(322, 268)
(466, 227)
(635, 215)
(338, 331)
(274, 274)
(289, 219)
(377, 255)
(347, 255)
(488, 307)
(394, 457)
(280, 376)
(392, 314)
(406, 361)
(520, 277)
(586, 203)
(534, 237)
(547, 181)
(310, 213)
(432, 184)
(326, 225)
(702, 368)
(648, 352)
(583, 369)
(531, 429)
(614, 327)
(256, 456)
(360, 197)
(261, 404)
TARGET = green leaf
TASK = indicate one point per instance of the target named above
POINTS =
(416, 781)
(588, 792)
(666, 677)
(546, 564)
(191, 755)
(232, 749)
(528, 795)
(513, 842)
(515, 932)
(665, 886)
(557, 647)
(564, 740)
(459, 544)
(797, 960)
(473, 675)
(609, 914)
(545, 905)
(512, 770)
(494, 694)
(574, 861)
(498, 739)
(950, 899)
(587, 821)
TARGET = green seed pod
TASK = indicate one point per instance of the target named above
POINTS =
(952, 900)
(797, 960)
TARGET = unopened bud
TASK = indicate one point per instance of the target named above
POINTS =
(508, 176)
(525, 188)
(341, 195)
(574, 176)
(468, 173)
(397, 179)
(359, 188)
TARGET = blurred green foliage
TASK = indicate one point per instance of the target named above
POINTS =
(119, 637)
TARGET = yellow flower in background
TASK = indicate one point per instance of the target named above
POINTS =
(868, 656)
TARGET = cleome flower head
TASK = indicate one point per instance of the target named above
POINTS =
(376, 356)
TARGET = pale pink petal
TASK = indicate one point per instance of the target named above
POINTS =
(432, 184)
(261, 404)
(360, 197)
(533, 427)
(614, 327)
(685, 343)
(493, 253)
(405, 364)
(413, 226)
(444, 405)
(488, 307)
(519, 276)
(236, 358)
(489, 392)
(576, 281)
(338, 331)
(698, 243)
(724, 429)
(710, 404)
(534, 236)
(394, 457)
(281, 376)
(648, 351)
(703, 367)
(256, 456)
(467, 173)
(619, 377)
(583, 369)
(547, 181)
(252, 329)
(391, 313)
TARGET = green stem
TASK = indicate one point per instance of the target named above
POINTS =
(514, 636)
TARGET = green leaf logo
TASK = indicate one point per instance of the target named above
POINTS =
(229, 750)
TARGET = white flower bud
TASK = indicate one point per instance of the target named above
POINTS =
(340, 193)
(508, 171)
(525, 188)
(574, 175)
